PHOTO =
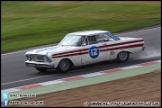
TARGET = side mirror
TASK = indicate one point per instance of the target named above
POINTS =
(84, 44)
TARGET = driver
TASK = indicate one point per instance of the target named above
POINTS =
(84, 40)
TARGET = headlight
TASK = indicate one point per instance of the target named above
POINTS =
(40, 58)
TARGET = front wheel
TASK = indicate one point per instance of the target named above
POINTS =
(64, 65)
(42, 69)
(123, 56)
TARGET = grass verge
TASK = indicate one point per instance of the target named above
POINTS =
(33, 23)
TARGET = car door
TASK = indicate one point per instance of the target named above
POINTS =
(93, 50)
(112, 51)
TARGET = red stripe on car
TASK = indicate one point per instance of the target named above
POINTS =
(117, 48)
(99, 47)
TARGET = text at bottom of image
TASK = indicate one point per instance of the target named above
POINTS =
(121, 103)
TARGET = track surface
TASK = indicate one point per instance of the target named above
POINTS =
(15, 73)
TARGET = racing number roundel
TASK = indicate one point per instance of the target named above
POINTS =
(94, 52)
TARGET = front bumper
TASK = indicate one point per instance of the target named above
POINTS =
(40, 64)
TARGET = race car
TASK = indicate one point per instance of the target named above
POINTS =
(82, 48)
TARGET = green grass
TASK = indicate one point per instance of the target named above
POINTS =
(32, 23)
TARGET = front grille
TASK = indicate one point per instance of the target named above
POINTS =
(32, 57)
(37, 58)
(40, 58)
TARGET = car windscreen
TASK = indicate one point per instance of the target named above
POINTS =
(71, 40)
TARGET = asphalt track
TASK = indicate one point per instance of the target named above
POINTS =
(14, 73)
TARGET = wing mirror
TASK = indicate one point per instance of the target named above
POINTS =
(84, 44)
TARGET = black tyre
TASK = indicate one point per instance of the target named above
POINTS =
(123, 56)
(42, 69)
(64, 65)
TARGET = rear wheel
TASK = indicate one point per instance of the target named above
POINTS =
(64, 65)
(123, 56)
(42, 69)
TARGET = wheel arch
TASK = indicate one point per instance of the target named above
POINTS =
(119, 59)
(68, 60)
(125, 51)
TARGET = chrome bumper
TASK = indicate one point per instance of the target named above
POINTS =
(40, 64)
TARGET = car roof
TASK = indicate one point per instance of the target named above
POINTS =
(89, 32)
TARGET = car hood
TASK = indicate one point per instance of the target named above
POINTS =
(49, 50)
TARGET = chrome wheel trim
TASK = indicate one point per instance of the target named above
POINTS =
(123, 55)
(64, 65)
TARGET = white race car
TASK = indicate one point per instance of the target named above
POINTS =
(81, 48)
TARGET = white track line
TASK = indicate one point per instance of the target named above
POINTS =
(13, 52)
(49, 45)
(24, 80)
(131, 67)
(141, 30)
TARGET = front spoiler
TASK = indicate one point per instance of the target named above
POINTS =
(40, 64)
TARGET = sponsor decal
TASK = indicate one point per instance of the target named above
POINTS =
(112, 36)
(94, 52)
(112, 52)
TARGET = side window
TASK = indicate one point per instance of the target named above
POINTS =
(92, 39)
(102, 38)
(105, 37)
(99, 38)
